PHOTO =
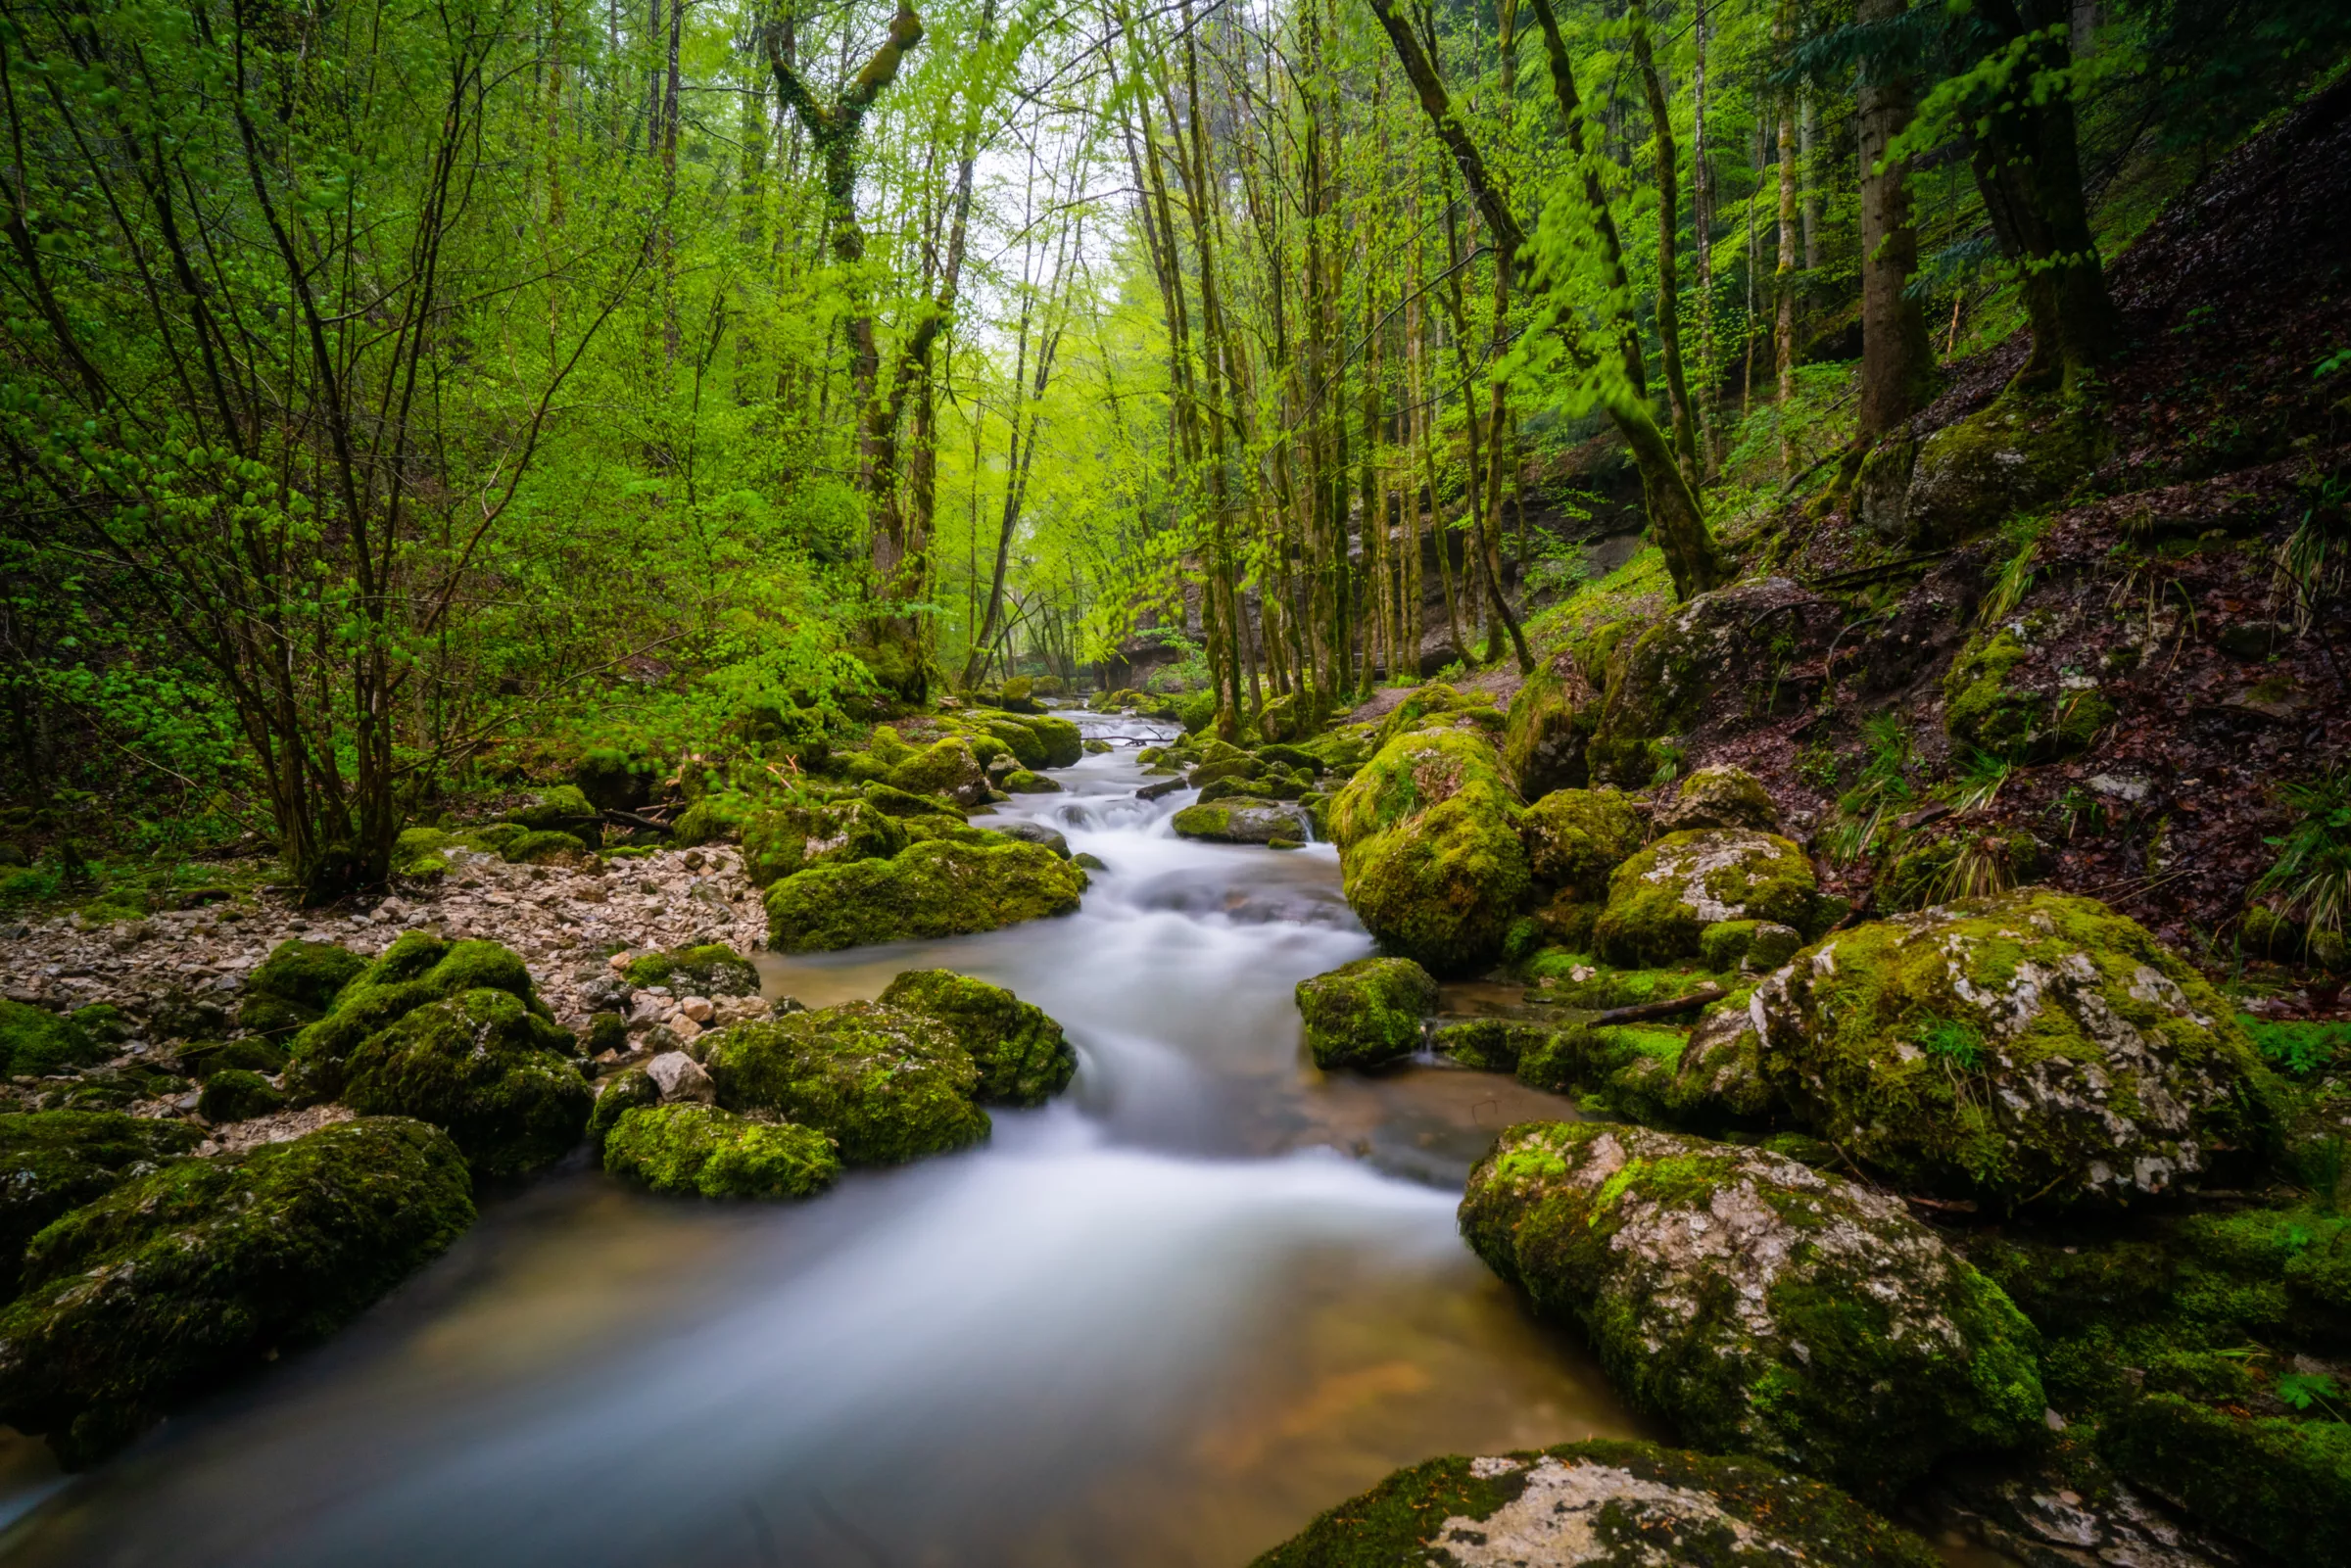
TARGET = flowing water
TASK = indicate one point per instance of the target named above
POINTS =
(1163, 1321)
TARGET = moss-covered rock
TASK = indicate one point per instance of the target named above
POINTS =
(295, 984)
(927, 890)
(236, 1094)
(1575, 837)
(1719, 797)
(1748, 944)
(908, 807)
(1661, 900)
(702, 1150)
(701, 969)
(564, 806)
(1550, 721)
(1758, 1304)
(178, 1281)
(544, 847)
(416, 969)
(201, 1059)
(1021, 781)
(1572, 979)
(619, 1095)
(36, 1042)
(1241, 820)
(55, 1160)
(609, 778)
(1407, 775)
(484, 1069)
(2016, 456)
(1023, 1056)
(2035, 1046)
(1988, 706)
(1063, 742)
(944, 768)
(1366, 1012)
(2283, 1483)
(1430, 849)
(887, 1085)
(712, 820)
(1598, 1505)
(777, 843)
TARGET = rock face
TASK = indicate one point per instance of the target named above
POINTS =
(172, 1282)
(938, 888)
(1023, 1056)
(1606, 1504)
(701, 1150)
(1759, 1305)
(1242, 820)
(1430, 849)
(1661, 900)
(54, 1161)
(888, 1085)
(1366, 1012)
(496, 1076)
(2033, 1046)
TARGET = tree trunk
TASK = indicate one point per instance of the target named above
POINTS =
(1897, 362)
(1669, 288)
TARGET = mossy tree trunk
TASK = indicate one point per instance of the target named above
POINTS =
(1897, 361)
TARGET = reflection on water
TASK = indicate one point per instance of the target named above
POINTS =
(1163, 1321)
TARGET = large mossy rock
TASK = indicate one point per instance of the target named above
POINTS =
(1600, 1504)
(1023, 1056)
(416, 969)
(1576, 838)
(791, 839)
(2002, 699)
(55, 1160)
(495, 1075)
(1759, 1305)
(1366, 1012)
(295, 984)
(2034, 1046)
(1705, 659)
(2013, 457)
(1550, 721)
(35, 1042)
(1720, 796)
(1429, 851)
(173, 1283)
(700, 1150)
(930, 889)
(1242, 820)
(944, 768)
(1661, 900)
(887, 1085)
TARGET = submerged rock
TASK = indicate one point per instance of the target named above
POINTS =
(887, 1084)
(1023, 1056)
(2031, 1047)
(172, 1283)
(1661, 900)
(699, 1149)
(1759, 1305)
(938, 888)
(1366, 1012)
(1607, 1504)
(55, 1160)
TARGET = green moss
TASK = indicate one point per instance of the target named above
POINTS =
(1239, 820)
(608, 778)
(234, 1094)
(1551, 717)
(2105, 1067)
(544, 847)
(1662, 899)
(295, 984)
(1021, 781)
(906, 806)
(495, 1075)
(711, 820)
(705, 969)
(888, 1085)
(418, 852)
(52, 1162)
(564, 807)
(182, 1279)
(945, 768)
(1720, 797)
(1575, 837)
(1571, 979)
(699, 1149)
(1023, 1056)
(621, 1094)
(201, 1059)
(1985, 709)
(1411, 774)
(927, 890)
(777, 844)
(1366, 1011)
(1442, 888)
(416, 969)
(2283, 1485)
(36, 1042)
(1608, 1505)
(1757, 1304)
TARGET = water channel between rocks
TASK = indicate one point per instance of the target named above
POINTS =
(1163, 1321)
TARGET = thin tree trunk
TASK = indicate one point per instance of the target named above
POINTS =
(1669, 288)
(1897, 361)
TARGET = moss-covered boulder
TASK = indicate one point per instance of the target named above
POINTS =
(564, 807)
(1021, 781)
(237, 1094)
(1720, 796)
(2015, 457)
(1748, 944)
(1366, 1012)
(1550, 721)
(2031, 1046)
(176, 1282)
(1576, 838)
(946, 768)
(546, 847)
(1759, 1305)
(1999, 699)
(1023, 1056)
(1241, 820)
(1061, 740)
(418, 968)
(481, 1066)
(201, 1059)
(55, 1160)
(2281, 1482)
(1430, 849)
(905, 806)
(701, 1150)
(887, 1085)
(295, 984)
(615, 1097)
(927, 890)
(1598, 1505)
(1661, 900)
(702, 969)
(777, 843)
(35, 1042)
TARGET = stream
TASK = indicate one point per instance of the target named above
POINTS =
(1162, 1321)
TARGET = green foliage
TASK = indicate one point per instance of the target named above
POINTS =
(2311, 879)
